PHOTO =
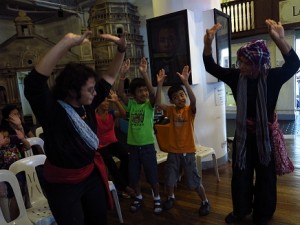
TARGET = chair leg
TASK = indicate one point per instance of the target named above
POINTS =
(199, 165)
(216, 166)
(117, 204)
(4, 206)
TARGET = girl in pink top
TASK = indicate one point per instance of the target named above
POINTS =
(109, 145)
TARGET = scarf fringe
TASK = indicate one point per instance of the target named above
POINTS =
(262, 130)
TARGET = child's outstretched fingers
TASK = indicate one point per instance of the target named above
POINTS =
(161, 76)
(184, 75)
(124, 68)
(143, 65)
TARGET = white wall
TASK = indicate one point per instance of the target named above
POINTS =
(210, 123)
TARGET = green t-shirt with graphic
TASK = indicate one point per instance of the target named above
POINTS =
(140, 127)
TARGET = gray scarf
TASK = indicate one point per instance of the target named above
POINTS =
(84, 131)
(262, 131)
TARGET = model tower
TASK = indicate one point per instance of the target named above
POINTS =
(115, 17)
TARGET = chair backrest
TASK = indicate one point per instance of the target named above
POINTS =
(28, 165)
(39, 131)
(36, 141)
(28, 153)
(8, 176)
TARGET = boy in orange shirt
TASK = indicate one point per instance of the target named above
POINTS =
(182, 147)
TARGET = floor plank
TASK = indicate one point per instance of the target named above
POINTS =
(185, 212)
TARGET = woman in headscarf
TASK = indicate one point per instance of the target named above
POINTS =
(255, 87)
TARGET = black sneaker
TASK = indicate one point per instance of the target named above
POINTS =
(260, 221)
(231, 218)
(169, 203)
(204, 209)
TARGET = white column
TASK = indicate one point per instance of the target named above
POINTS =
(210, 123)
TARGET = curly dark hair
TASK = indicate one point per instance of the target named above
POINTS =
(136, 83)
(173, 89)
(72, 78)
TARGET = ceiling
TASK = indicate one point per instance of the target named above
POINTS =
(43, 11)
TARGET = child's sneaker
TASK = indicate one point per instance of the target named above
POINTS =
(136, 205)
(204, 209)
(157, 209)
(169, 203)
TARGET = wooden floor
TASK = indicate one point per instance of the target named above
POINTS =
(185, 212)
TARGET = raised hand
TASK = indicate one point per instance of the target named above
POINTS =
(124, 69)
(76, 39)
(120, 41)
(210, 33)
(276, 30)
(20, 134)
(143, 67)
(15, 119)
(113, 97)
(184, 76)
(161, 77)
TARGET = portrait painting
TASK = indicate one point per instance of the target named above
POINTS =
(168, 46)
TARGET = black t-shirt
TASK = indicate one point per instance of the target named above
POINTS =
(275, 79)
(63, 145)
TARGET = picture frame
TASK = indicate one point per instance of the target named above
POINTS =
(169, 47)
(221, 45)
(223, 39)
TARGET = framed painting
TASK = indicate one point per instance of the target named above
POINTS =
(169, 48)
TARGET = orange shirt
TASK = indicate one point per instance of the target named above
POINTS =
(181, 131)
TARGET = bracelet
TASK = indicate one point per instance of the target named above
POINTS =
(121, 49)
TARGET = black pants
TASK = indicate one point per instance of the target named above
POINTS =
(79, 204)
(120, 175)
(254, 188)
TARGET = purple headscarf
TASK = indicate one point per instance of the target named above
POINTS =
(257, 53)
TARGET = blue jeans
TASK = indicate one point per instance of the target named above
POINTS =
(145, 156)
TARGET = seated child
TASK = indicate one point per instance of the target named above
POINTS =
(9, 153)
(12, 120)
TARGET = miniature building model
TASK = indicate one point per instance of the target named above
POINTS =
(18, 55)
(115, 17)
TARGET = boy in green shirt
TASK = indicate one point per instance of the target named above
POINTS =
(140, 134)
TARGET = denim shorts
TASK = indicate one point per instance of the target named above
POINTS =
(142, 156)
(178, 161)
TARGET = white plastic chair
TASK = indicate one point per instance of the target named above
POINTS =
(36, 141)
(39, 212)
(39, 131)
(8, 176)
(28, 153)
(202, 152)
(113, 190)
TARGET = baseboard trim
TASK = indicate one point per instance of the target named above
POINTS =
(286, 116)
(279, 116)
